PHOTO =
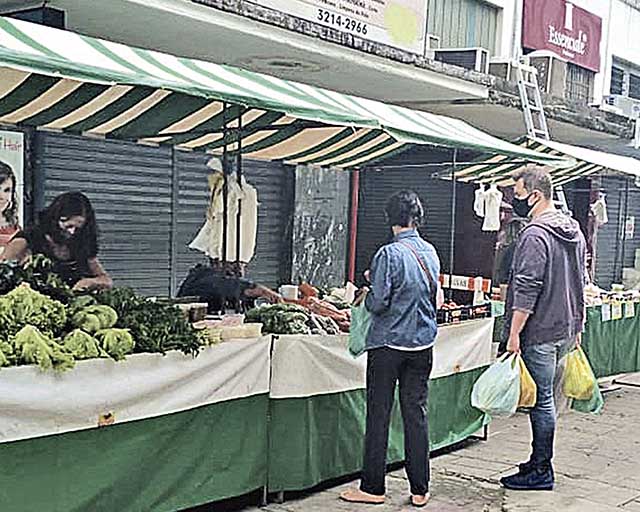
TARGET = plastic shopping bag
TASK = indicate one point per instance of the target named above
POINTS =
(579, 381)
(360, 323)
(528, 388)
(594, 405)
(497, 391)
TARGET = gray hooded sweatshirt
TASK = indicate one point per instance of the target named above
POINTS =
(547, 279)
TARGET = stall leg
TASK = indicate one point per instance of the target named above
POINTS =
(264, 501)
(280, 498)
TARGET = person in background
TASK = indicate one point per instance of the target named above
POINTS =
(65, 232)
(223, 286)
(505, 248)
(403, 301)
(8, 205)
(545, 311)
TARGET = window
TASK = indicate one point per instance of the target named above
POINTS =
(463, 23)
(617, 80)
(634, 86)
(579, 83)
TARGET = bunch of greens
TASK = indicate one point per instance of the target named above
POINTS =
(38, 273)
(24, 306)
(155, 327)
(281, 319)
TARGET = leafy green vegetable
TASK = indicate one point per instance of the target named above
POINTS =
(38, 272)
(24, 306)
(155, 327)
(94, 318)
(116, 342)
(82, 345)
(281, 319)
(34, 347)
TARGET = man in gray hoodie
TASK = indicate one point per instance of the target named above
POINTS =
(545, 311)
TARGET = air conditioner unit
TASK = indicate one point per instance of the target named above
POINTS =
(476, 59)
(552, 72)
(628, 107)
(502, 68)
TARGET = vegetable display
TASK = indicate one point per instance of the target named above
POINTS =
(82, 345)
(95, 318)
(34, 347)
(24, 306)
(155, 327)
(116, 342)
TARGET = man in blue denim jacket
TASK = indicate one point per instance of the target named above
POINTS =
(545, 311)
(403, 301)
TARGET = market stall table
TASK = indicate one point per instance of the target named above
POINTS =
(318, 403)
(187, 431)
(612, 341)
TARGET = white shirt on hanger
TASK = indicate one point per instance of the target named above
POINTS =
(478, 203)
(492, 203)
(599, 210)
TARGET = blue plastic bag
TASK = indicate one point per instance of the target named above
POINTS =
(497, 390)
(360, 323)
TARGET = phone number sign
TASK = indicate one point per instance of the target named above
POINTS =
(397, 23)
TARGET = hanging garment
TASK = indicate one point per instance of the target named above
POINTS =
(599, 210)
(492, 203)
(209, 239)
(478, 203)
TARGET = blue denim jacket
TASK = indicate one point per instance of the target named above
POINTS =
(400, 297)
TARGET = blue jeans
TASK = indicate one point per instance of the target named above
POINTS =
(544, 362)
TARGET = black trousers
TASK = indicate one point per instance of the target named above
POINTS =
(385, 367)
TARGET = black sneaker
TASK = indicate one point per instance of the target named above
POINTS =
(533, 480)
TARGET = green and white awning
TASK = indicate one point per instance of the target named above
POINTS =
(582, 162)
(59, 80)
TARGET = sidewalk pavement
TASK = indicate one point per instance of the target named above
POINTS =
(597, 467)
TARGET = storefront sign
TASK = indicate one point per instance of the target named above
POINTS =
(12, 153)
(397, 23)
(564, 28)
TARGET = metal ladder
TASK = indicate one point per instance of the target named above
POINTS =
(531, 99)
(534, 116)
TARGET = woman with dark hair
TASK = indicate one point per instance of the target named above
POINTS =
(8, 205)
(403, 301)
(66, 233)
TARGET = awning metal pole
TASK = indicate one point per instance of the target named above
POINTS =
(239, 177)
(626, 216)
(452, 226)
(225, 185)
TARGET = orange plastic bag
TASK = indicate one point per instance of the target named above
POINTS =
(528, 388)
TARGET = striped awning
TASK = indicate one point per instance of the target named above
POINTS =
(581, 163)
(59, 80)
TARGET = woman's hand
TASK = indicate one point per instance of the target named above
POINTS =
(85, 285)
(361, 295)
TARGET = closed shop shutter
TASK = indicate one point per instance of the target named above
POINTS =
(129, 186)
(611, 249)
(375, 189)
(273, 182)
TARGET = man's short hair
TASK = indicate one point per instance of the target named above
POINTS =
(535, 177)
(404, 209)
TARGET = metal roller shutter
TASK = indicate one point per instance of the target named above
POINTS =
(274, 183)
(130, 188)
(375, 189)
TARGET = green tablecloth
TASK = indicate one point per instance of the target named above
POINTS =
(613, 346)
(320, 438)
(318, 404)
(188, 432)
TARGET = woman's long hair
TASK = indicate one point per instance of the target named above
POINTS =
(11, 213)
(84, 244)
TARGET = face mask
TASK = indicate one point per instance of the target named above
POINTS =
(521, 207)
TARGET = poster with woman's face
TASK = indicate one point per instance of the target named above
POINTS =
(11, 184)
